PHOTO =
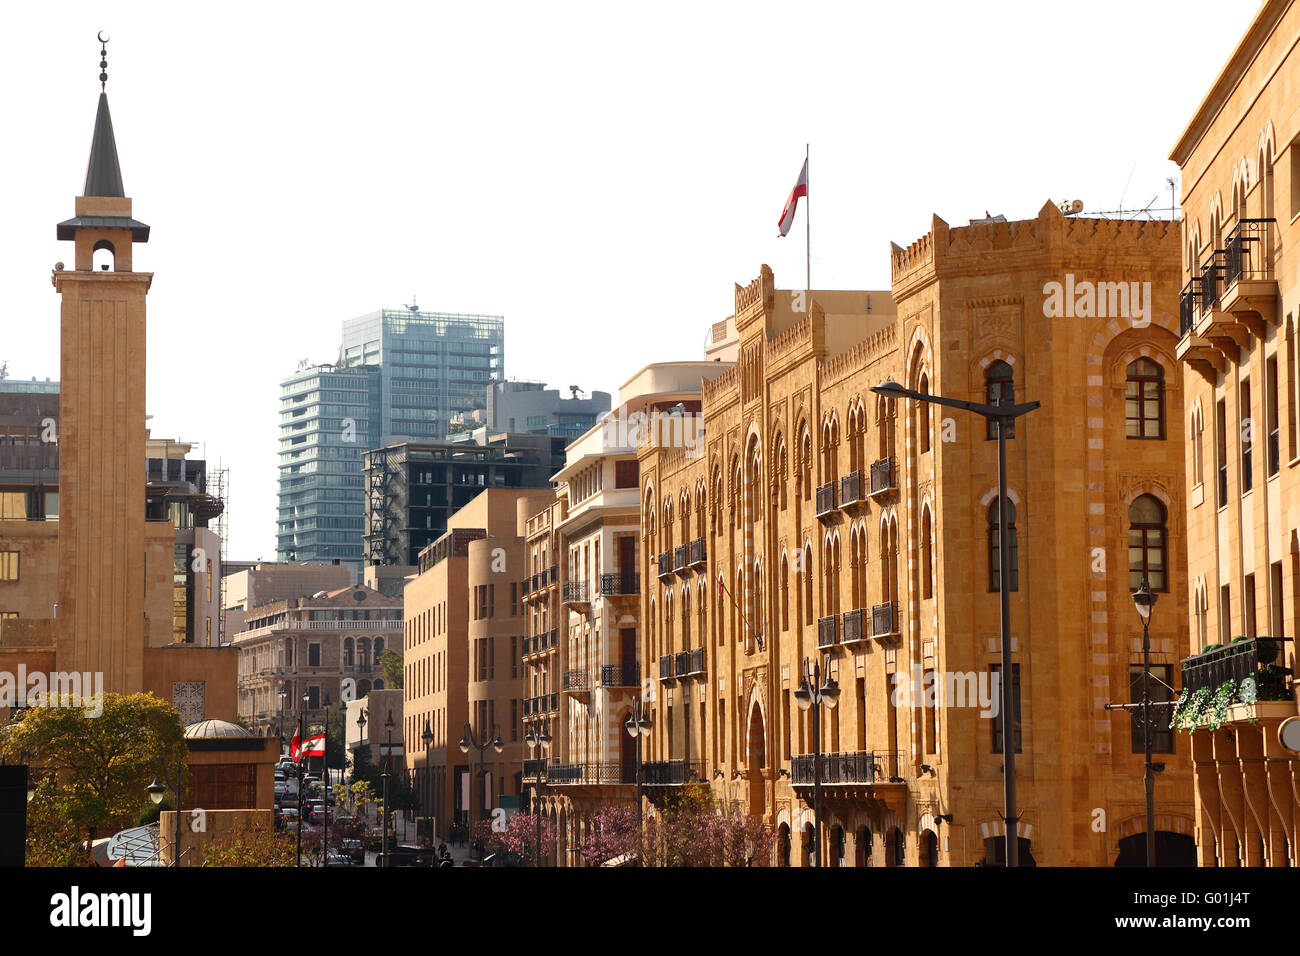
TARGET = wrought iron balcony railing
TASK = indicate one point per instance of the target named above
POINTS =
(665, 561)
(851, 629)
(575, 592)
(1211, 270)
(1257, 657)
(884, 620)
(858, 766)
(697, 553)
(592, 774)
(882, 476)
(1245, 251)
(828, 631)
(612, 675)
(679, 558)
(681, 663)
(666, 667)
(612, 583)
(576, 680)
(825, 499)
(671, 773)
(1187, 301)
(695, 660)
(850, 489)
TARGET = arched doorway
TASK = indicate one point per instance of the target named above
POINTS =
(838, 846)
(806, 844)
(562, 840)
(929, 848)
(895, 849)
(1172, 849)
(862, 847)
(995, 852)
(783, 845)
(757, 761)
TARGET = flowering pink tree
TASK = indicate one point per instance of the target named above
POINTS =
(690, 829)
(519, 838)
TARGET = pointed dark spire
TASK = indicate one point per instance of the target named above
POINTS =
(103, 174)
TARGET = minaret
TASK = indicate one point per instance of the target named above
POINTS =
(101, 622)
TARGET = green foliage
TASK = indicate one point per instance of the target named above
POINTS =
(1188, 715)
(258, 846)
(391, 662)
(1216, 713)
(100, 766)
(53, 837)
(336, 752)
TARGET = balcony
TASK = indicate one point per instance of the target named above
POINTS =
(613, 584)
(851, 489)
(883, 480)
(671, 773)
(697, 555)
(592, 774)
(1249, 285)
(853, 767)
(695, 661)
(851, 630)
(525, 587)
(884, 622)
(575, 594)
(681, 663)
(666, 667)
(546, 704)
(612, 675)
(534, 769)
(575, 682)
(828, 631)
(825, 500)
(679, 558)
(665, 561)
(1257, 657)
(1195, 349)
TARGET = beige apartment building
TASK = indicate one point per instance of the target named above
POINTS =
(1240, 162)
(826, 524)
(464, 640)
(313, 645)
(583, 660)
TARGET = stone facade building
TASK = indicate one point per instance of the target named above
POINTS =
(859, 534)
(1240, 163)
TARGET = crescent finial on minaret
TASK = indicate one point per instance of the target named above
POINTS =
(103, 60)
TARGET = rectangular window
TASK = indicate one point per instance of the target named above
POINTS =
(1290, 390)
(514, 719)
(8, 565)
(1247, 607)
(1276, 614)
(1225, 615)
(13, 505)
(1247, 438)
(1015, 707)
(931, 712)
(1162, 738)
(313, 655)
(313, 698)
(1274, 448)
(1221, 449)
(514, 598)
(492, 600)
(1294, 155)
(514, 657)
(626, 474)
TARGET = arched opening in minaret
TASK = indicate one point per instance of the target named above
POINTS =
(103, 256)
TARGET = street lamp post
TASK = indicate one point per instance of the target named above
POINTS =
(1002, 415)
(538, 740)
(638, 728)
(812, 693)
(470, 741)
(388, 759)
(1144, 600)
(427, 737)
(156, 789)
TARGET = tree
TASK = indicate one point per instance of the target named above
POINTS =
(690, 829)
(336, 752)
(391, 662)
(518, 839)
(256, 846)
(100, 766)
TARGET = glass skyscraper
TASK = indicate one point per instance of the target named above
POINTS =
(401, 375)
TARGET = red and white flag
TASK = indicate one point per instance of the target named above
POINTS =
(313, 747)
(293, 744)
(800, 190)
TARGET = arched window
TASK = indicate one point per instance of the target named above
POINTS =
(1147, 544)
(804, 467)
(1144, 400)
(785, 593)
(885, 426)
(379, 647)
(806, 571)
(348, 646)
(923, 415)
(686, 616)
(927, 561)
(995, 556)
(1198, 447)
(999, 389)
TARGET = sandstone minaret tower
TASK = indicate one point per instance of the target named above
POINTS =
(101, 619)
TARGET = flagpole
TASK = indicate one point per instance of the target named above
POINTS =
(325, 766)
(807, 221)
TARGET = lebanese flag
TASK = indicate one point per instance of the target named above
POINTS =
(293, 744)
(800, 189)
(313, 747)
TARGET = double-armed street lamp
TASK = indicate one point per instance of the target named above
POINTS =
(539, 744)
(638, 728)
(427, 738)
(388, 760)
(470, 741)
(1001, 415)
(813, 692)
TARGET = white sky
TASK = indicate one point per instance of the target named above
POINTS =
(599, 174)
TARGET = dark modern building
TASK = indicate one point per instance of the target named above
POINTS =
(532, 408)
(413, 488)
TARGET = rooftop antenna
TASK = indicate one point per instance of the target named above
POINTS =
(103, 60)
(1173, 214)
(413, 307)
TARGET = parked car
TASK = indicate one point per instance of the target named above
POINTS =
(288, 815)
(289, 799)
(287, 767)
(280, 790)
(317, 813)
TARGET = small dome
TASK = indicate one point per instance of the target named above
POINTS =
(217, 728)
